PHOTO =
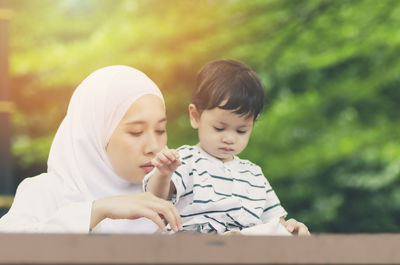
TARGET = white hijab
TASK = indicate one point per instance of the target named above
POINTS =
(77, 155)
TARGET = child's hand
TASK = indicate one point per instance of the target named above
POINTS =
(166, 161)
(295, 227)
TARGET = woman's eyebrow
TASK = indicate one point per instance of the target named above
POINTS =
(134, 122)
(143, 122)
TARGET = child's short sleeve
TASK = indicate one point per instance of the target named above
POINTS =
(181, 178)
(183, 175)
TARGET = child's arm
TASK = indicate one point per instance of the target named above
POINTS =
(166, 162)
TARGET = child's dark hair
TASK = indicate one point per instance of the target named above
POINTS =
(232, 81)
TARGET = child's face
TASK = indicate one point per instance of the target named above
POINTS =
(139, 136)
(222, 133)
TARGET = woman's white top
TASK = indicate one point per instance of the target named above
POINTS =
(78, 167)
(38, 206)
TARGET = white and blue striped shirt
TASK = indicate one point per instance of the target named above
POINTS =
(213, 196)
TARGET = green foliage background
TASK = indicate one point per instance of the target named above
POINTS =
(328, 139)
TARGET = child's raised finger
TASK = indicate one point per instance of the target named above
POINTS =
(176, 154)
(161, 157)
(170, 155)
(154, 162)
(177, 163)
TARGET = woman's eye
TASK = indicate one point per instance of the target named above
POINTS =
(218, 129)
(241, 132)
(160, 132)
(135, 133)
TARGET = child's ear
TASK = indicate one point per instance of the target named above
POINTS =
(194, 116)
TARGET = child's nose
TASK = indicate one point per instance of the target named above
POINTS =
(228, 138)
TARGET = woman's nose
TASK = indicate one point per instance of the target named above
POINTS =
(151, 146)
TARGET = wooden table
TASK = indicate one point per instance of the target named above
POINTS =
(198, 249)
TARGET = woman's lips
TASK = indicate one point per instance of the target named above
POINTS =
(147, 167)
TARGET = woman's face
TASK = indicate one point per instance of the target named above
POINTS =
(138, 137)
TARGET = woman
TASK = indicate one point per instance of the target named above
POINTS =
(115, 124)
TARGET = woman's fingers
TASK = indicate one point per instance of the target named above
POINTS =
(167, 210)
(135, 206)
(150, 214)
(177, 216)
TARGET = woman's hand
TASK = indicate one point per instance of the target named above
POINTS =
(134, 206)
(295, 227)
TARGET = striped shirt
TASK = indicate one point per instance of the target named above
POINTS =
(213, 196)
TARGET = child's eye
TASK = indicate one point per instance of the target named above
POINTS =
(241, 132)
(218, 129)
(160, 132)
